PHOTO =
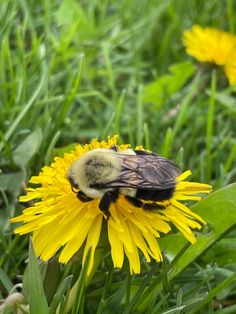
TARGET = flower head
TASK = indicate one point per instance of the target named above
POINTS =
(60, 222)
(230, 70)
(211, 45)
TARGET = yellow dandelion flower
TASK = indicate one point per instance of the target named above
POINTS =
(60, 222)
(230, 70)
(212, 45)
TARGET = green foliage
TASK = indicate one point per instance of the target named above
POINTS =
(167, 85)
(37, 298)
(211, 209)
(73, 70)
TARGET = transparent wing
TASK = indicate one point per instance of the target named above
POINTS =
(145, 171)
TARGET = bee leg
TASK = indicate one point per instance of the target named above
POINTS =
(138, 203)
(108, 198)
(83, 197)
(73, 189)
(152, 206)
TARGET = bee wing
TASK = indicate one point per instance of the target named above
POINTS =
(146, 171)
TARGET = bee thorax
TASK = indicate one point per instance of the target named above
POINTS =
(93, 170)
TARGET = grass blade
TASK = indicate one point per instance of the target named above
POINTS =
(64, 286)
(6, 282)
(37, 299)
(80, 286)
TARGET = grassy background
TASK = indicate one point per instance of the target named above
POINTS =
(74, 70)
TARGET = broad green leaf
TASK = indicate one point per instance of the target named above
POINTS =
(219, 210)
(28, 148)
(155, 92)
(65, 149)
(11, 181)
(67, 12)
(223, 253)
(50, 272)
(37, 298)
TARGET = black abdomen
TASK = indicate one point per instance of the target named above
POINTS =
(155, 195)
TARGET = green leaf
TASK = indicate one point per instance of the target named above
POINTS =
(77, 292)
(67, 12)
(223, 253)
(11, 181)
(219, 211)
(65, 149)
(25, 109)
(213, 292)
(116, 299)
(4, 279)
(130, 307)
(50, 272)
(63, 287)
(37, 298)
(226, 100)
(155, 92)
(28, 148)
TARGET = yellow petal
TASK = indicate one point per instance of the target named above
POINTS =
(92, 241)
(117, 250)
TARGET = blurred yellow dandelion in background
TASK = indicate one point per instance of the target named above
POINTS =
(230, 70)
(59, 221)
(214, 46)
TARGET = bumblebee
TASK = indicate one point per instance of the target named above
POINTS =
(139, 175)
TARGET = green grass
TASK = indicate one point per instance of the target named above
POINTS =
(74, 70)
